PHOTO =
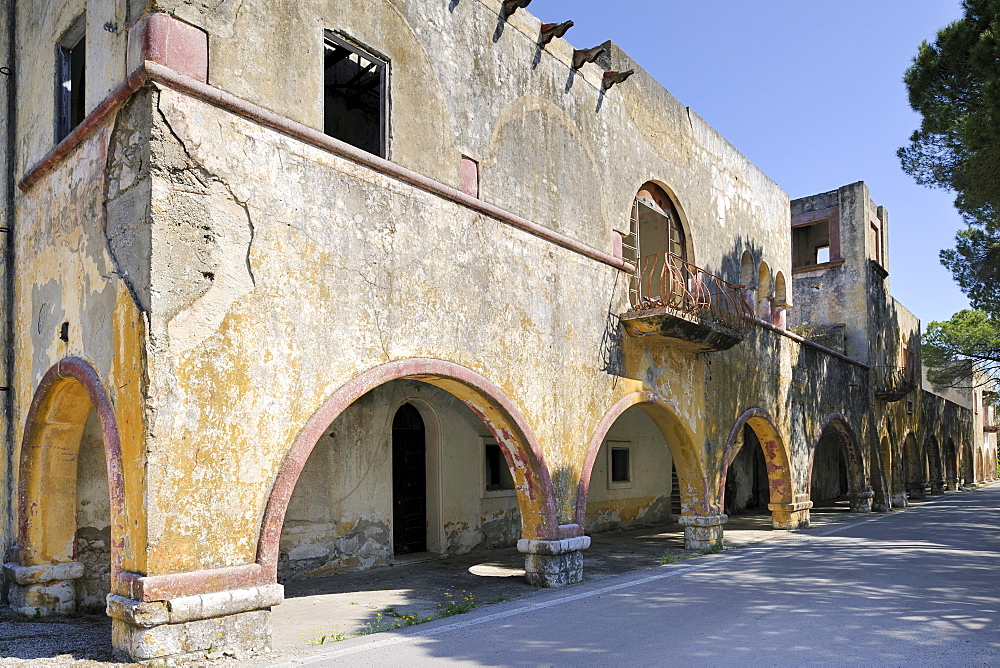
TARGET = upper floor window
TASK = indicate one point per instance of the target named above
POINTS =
(355, 95)
(815, 237)
(811, 244)
(71, 70)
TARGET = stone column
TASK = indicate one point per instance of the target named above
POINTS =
(915, 490)
(951, 484)
(554, 563)
(234, 623)
(861, 502)
(702, 531)
(44, 589)
(790, 515)
(937, 486)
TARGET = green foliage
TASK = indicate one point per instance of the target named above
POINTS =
(975, 264)
(954, 349)
(954, 84)
(714, 548)
(668, 558)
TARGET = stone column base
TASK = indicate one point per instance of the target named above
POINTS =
(861, 502)
(790, 515)
(916, 491)
(898, 500)
(43, 590)
(702, 531)
(951, 485)
(553, 563)
(235, 623)
(937, 487)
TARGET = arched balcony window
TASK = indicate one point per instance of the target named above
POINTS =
(666, 278)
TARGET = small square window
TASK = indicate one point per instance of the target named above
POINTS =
(620, 466)
(355, 108)
(496, 474)
(71, 71)
(822, 254)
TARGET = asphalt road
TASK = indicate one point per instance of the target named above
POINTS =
(914, 587)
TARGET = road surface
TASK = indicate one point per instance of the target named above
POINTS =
(914, 587)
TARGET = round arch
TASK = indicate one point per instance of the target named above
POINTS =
(838, 424)
(47, 472)
(655, 191)
(779, 470)
(486, 400)
(695, 497)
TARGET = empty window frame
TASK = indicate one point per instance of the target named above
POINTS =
(811, 244)
(619, 465)
(876, 235)
(496, 474)
(355, 96)
(71, 85)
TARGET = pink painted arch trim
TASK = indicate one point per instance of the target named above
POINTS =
(83, 373)
(786, 474)
(520, 448)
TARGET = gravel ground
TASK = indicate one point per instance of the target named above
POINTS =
(80, 641)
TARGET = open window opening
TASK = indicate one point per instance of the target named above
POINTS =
(496, 473)
(71, 84)
(355, 96)
(811, 244)
(876, 242)
(620, 465)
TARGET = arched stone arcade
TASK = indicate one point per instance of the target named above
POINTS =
(756, 429)
(70, 471)
(481, 402)
(700, 514)
(836, 467)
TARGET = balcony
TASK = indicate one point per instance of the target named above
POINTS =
(685, 305)
(892, 383)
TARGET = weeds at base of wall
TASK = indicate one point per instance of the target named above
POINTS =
(668, 558)
(391, 619)
(710, 549)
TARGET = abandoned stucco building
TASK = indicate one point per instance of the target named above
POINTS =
(293, 292)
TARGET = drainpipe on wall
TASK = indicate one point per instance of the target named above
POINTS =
(9, 340)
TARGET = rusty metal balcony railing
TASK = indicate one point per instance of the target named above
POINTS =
(892, 383)
(665, 279)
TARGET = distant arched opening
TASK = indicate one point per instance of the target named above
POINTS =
(935, 466)
(913, 467)
(836, 479)
(951, 468)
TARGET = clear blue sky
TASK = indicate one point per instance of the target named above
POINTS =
(810, 91)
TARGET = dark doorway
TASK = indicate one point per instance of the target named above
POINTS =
(409, 482)
(747, 488)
